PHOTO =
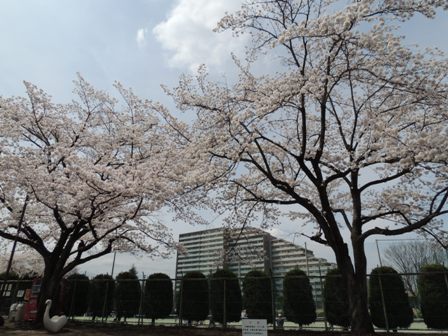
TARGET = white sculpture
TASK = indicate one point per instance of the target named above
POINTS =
(55, 323)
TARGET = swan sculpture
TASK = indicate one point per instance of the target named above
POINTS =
(55, 323)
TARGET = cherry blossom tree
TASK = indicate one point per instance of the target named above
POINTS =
(350, 133)
(87, 176)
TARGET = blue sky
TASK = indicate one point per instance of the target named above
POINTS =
(141, 43)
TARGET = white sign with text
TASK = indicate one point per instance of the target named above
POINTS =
(252, 327)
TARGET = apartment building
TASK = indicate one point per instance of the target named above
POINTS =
(243, 250)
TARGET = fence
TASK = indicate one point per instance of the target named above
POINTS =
(127, 301)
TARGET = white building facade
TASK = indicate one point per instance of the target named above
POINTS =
(243, 250)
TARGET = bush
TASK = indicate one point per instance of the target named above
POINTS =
(257, 295)
(193, 297)
(76, 294)
(127, 294)
(398, 309)
(101, 295)
(336, 303)
(298, 304)
(158, 298)
(432, 287)
(225, 279)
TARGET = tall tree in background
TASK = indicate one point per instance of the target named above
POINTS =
(87, 176)
(409, 257)
(348, 130)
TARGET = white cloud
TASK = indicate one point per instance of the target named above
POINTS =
(141, 37)
(187, 33)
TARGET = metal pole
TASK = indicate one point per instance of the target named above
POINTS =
(105, 301)
(306, 258)
(224, 305)
(273, 301)
(113, 265)
(142, 289)
(181, 294)
(322, 297)
(383, 301)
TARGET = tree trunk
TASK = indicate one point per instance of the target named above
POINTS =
(361, 323)
(49, 290)
(356, 278)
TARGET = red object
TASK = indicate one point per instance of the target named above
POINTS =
(31, 297)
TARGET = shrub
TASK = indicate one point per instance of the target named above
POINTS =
(433, 290)
(193, 297)
(298, 302)
(101, 295)
(127, 294)
(257, 295)
(225, 279)
(336, 303)
(398, 310)
(158, 298)
(76, 293)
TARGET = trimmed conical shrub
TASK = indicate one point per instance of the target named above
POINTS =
(193, 297)
(158, 298)
(224, 281)
(76, 293)
(257, 295)
(433, 291)
(101, 295)
(398, 310)
(336, 303)
(298, 305)
(127, 294)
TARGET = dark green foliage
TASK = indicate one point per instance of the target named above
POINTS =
(101, 295)
(336, 299)
(298, 304)
(11, 276)
(257, 295)
(158, 298)
(399, 312)
(76, 291)
(193, 297)
(433, 290)
(225, 279)
(127, 294)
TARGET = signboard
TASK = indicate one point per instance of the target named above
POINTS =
(253, 327)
